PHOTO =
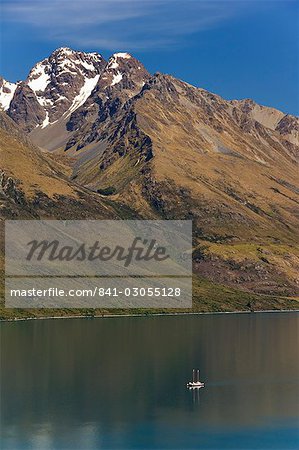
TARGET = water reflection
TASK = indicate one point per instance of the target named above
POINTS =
(112, 382)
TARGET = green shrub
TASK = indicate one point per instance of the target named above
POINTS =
(110, 190)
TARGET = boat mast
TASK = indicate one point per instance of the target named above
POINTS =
(193, 375)
(197, 375)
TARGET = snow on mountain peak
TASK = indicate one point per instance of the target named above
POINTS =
(116, 78)
(39, 77)
(122, 55)
(65, 50)
(62, 82)
(7, 91)
(65, 54)
(113, 60)
(84, 93)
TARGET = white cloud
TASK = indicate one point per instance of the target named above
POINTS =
(119, 24)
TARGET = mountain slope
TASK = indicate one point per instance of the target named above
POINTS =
(36, 185)
(285, 124)
(191, 159)
(162, 148)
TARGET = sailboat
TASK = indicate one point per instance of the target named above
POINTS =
(195, 383)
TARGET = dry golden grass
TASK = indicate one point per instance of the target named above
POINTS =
(36, 171)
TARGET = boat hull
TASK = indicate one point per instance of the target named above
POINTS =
(195, 385)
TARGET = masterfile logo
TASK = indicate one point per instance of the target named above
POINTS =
(98, 247)
(139, 250)
(98, 263)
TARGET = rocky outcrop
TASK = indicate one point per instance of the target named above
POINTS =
(288, 128)
(9, 189)
(285, 124)
(24, 108)
(122, 79)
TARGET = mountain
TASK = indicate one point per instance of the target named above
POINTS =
(48, 103)
(34, 184)
(171, 118)
(175, 151)
(55, 87)
(153, 146)
(70, 96)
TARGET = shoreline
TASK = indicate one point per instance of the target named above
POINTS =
(113, 316)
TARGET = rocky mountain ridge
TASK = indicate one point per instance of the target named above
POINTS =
(162, 148)
(71, 89)
(285, 124)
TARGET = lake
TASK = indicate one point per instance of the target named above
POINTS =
(120, 383)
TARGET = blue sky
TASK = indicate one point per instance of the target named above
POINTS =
(237, 49)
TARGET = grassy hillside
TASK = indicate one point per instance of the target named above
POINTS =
(207, 297)
(196, 157)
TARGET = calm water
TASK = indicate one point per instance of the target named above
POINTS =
(120, 383)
